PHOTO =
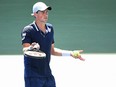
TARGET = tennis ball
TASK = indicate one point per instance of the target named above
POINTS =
(76, 53)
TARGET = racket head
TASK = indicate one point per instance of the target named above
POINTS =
(35, 54)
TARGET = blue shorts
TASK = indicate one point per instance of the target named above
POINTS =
(40, 82)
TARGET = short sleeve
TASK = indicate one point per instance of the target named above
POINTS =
(52, 29)
(26, 35)
(53, 38)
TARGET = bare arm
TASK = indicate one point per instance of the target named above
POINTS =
(26, 45)
(55, 51)
(59, 52)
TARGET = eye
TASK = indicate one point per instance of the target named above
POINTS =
(45, 12)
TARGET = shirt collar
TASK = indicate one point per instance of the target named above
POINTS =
(35, 26)
(47, 28)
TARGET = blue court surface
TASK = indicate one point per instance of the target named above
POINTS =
(97, 71)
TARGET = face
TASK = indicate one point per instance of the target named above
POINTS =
(42, 16)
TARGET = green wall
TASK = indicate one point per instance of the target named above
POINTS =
(78, 24)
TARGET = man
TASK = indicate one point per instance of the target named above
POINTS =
(40, 35)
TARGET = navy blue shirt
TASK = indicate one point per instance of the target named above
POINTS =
(38, 67)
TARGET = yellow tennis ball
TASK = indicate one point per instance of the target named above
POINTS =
(76, 53)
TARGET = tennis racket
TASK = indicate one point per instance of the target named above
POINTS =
(35, 54)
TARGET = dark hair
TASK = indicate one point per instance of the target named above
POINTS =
(37, 11)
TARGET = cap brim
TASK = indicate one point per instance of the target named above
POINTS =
(49, 8)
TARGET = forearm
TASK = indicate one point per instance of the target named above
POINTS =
(60, 52)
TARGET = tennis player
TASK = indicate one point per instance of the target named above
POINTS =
(40, 35)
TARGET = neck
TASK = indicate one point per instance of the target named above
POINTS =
(41, 26)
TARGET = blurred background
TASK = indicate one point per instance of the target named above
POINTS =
(89, 25)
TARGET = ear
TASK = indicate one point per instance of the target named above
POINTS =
(35, 14)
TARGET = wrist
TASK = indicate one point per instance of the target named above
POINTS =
(27, 48)
(67, 53)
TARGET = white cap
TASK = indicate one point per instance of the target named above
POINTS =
(40, 6)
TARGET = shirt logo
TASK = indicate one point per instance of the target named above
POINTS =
(23, 36)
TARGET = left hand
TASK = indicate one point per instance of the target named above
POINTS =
(76, 54)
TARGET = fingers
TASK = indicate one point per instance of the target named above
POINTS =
(35, 46)
(81, 58)
(80, 51)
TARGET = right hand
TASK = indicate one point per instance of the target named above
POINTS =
(35, 45)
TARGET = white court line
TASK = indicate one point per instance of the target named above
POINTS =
(97, 71)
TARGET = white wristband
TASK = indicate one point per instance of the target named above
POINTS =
(66, 54)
